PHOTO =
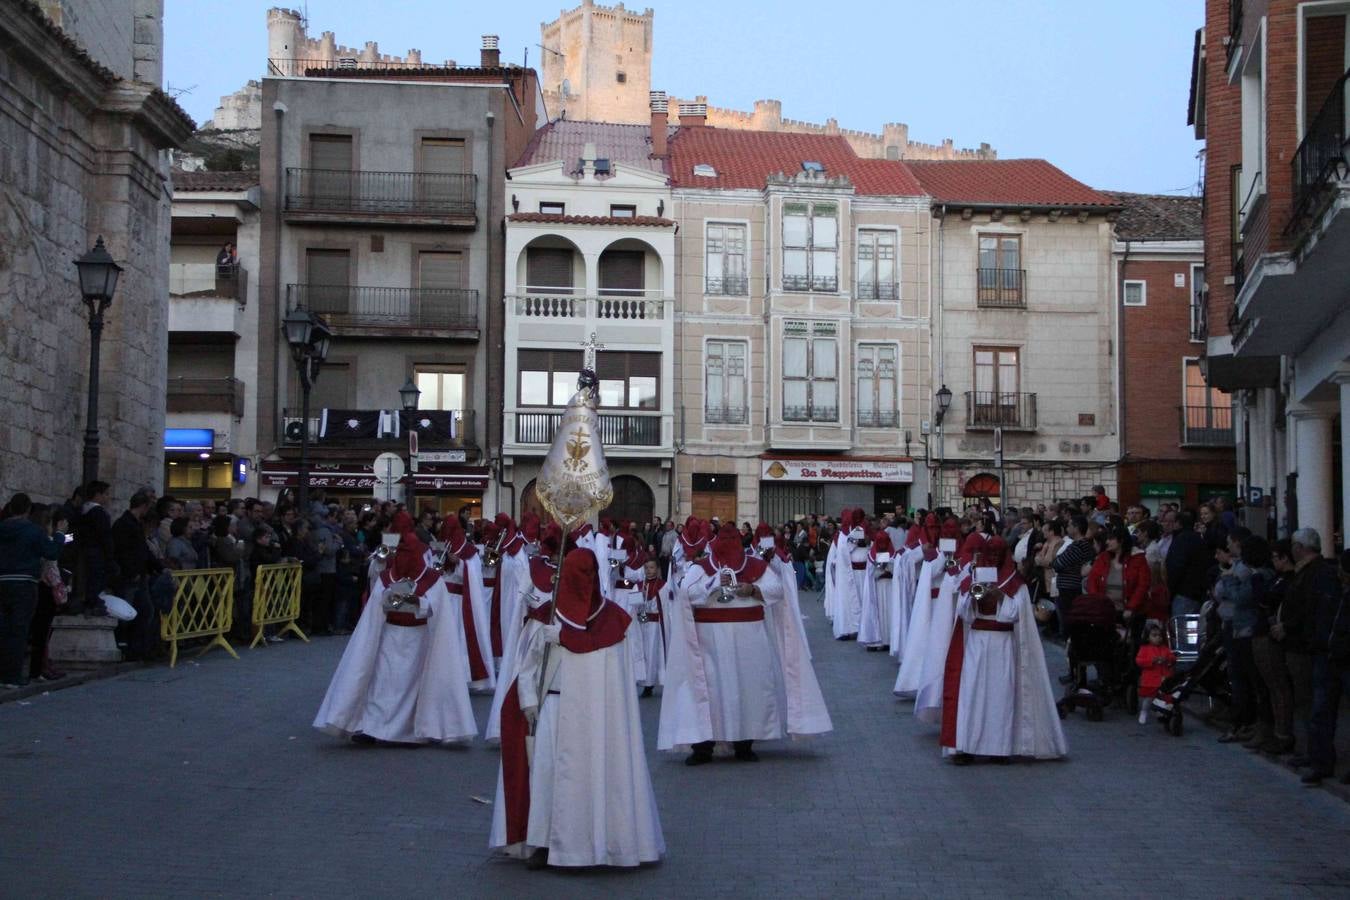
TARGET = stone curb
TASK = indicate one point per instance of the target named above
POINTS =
(36, 688)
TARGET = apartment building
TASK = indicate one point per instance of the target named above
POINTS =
(1268, 93)
(1024, 333)
(590, 272)
(210, 435)
(1176, 429)
(802, 329)
(383, 205)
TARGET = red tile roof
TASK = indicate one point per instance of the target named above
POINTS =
(554, 218)
(1015, 182)
(745, 159)
(566, 140)
(214, 181)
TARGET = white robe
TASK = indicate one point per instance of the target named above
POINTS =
(902, 610)
(653, 636)
(848, 585)
(878, 601)
(984, 708)
(792, 607)
(468, 574)
(631, 601)
(527, 598)
(513, 577)
(1037, 732)
(930, 573)
(591, 797)
(400, 683)
(941, 622)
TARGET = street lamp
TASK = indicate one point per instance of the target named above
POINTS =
(309, 339)
(944, 403)
(98, 280)
(408, 396)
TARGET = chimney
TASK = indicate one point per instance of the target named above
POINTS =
(660, 118)
(491, 56)
(693, 115)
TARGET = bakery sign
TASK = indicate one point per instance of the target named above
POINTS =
(842, 469)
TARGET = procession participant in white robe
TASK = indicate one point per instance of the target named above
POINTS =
(906, 569)
(927, 580)
(773, 549)
(929, 697)
(836, 551)
(402, 678)
(586, 536)
(805, 705)
(488, 535)
(689, 546)
(534, 591)
(579, 793)
(1000, 702)
(879, 589)
(628, 594)
(464, 579)
(724, 675)
(850, 575)
(656, 596)
(529, 529)
(513, 569)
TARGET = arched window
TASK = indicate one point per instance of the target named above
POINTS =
(982, 485)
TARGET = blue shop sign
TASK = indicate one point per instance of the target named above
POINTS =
(189, 438)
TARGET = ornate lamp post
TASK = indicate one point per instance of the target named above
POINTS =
(408, 396)
(98, 281)
(944, 403)
(309, 338)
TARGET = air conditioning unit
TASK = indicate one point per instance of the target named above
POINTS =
(294, 430)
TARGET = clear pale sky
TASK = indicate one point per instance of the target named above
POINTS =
(1098, 88)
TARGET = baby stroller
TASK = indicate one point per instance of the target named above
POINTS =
(1093, 642)
(1202, 666)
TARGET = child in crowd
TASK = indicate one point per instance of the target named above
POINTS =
(1156, 661)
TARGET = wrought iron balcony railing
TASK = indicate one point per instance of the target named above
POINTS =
(355, 308)
(725, 415)
(878, 418)
(827, 284)
(823, 414)
(616, 429)
(344, 192)
(1001, 288)
(1321, 159)
(1207, 426)
(206, 395)
(727, 285)
(877, 290)
(1000, 409)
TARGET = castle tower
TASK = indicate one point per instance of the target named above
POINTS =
(285, 35)
(597, 63)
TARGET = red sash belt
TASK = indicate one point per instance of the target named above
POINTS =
(734, 614)
(656, 617)
(936, 592)
(489, 582)
(454, 588)
(858, 567)
(405, 619)
(991, 625)
(883, 575)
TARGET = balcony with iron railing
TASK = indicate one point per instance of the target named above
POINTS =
(1000, 288)
(417, 199)
(986, 410)
(206, 395)
(822, 415)
(825, 284)
(876, 290)
(878, 418)
(209, 280)
(726, 285)
(380, 430)
(1207, 426)
(361, 311)
(726, 415)
(1321, 165)
(616, 429)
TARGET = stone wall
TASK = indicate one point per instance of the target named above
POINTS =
(82, 155)
(240, 110)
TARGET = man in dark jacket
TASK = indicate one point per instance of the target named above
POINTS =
(1309, 616)
(136, 565)
(23, 547)
(1187, 564)
(93, 539)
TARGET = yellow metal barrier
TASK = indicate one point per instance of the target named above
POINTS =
(203, 606)
(276, 599)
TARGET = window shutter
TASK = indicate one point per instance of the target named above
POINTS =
(442, 156)
(621, 271)
(440, 270)
(330, 151)
(548, 268)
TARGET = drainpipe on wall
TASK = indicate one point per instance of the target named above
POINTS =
(1120, 365)
(279, 373)
(487, 360)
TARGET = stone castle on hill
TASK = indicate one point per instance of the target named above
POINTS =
(596, 66)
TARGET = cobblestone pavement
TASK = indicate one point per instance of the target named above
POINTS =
(207, 780)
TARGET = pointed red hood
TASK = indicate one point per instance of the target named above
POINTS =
(579, 598)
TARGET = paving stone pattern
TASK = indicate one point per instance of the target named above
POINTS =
(208, 781)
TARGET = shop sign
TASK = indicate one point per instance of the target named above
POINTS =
(472, 478)
(1168, 489)
(837, 470)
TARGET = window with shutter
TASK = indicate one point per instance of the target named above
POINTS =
(330, 171)
(621, 272)
(443, 166)
(725, 272)
(724, 401)
(328, 278)
(548, 377)
(877, 382)
(810, 372)
(628, 380)
(548, 270)
(876, 265)
(810, 247)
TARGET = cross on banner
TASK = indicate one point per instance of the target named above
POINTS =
(590, 347)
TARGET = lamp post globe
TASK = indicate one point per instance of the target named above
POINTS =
(98, 275)
(309, 338)
(408, 396)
